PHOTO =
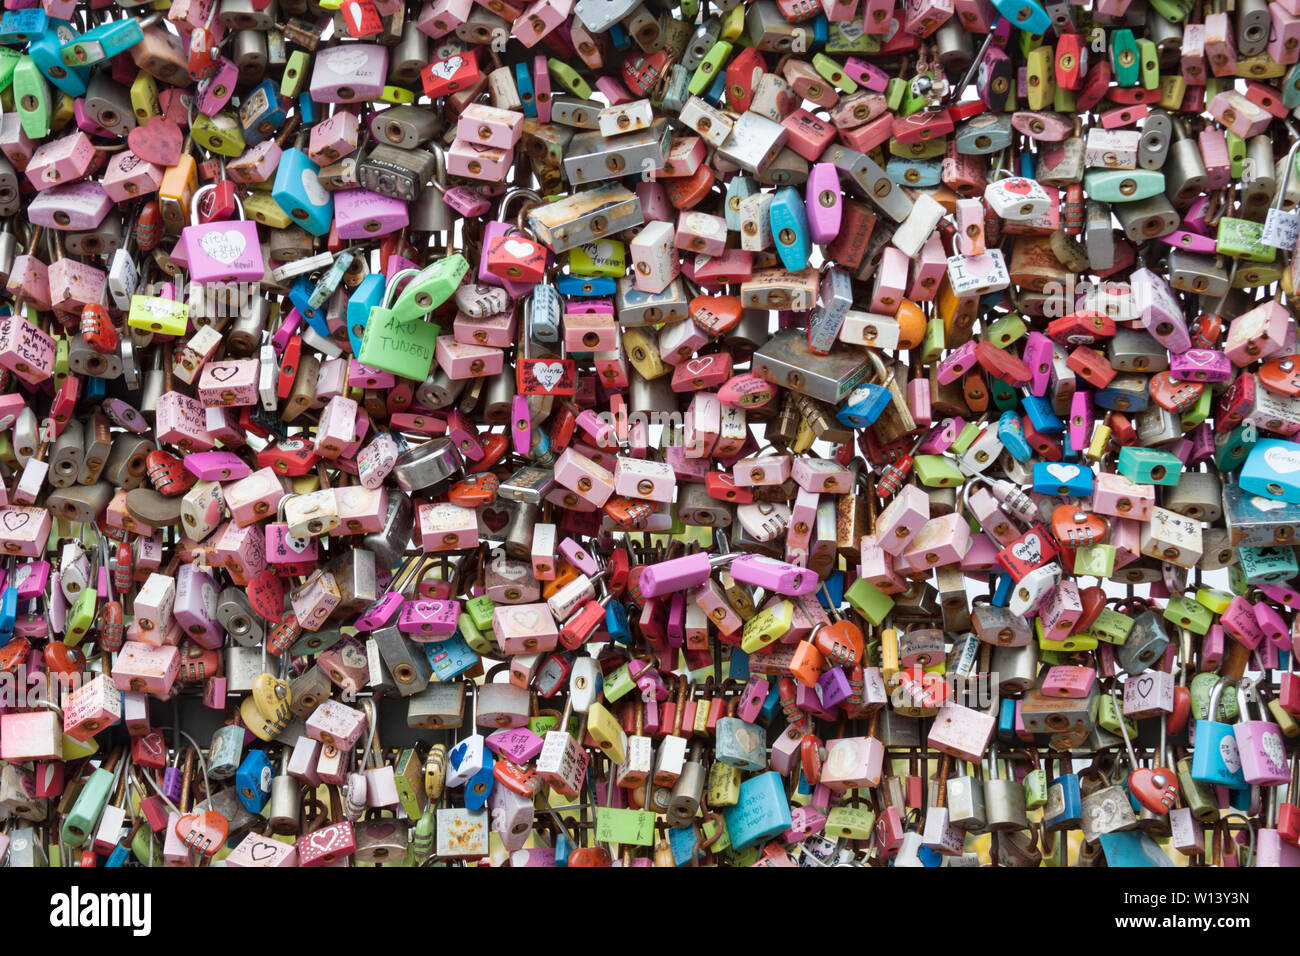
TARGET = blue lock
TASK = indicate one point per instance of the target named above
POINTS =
(864, 405)
(1272, 470)
(253, 781)
(1062, 479)
(761, 811)
(368, 294)
(789, 221)
(298, 191)
(616, 623)
(1039, 412)
(1012, 436)
(1215, 758)
(1064, 808)
(524, 84)
(261, 113)
(584, 286)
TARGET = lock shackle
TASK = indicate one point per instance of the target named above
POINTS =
(1286, 173)
(1212, 706)
(203, 191)
(508, 199)
(1123, 727)
(394, 282)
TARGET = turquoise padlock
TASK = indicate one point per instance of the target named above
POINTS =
(789, 219)
(1215, 758)
(1272, 470)
(761, 811)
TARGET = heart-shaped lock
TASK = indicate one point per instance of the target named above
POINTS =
(203, 832)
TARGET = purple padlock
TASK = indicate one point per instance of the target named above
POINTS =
(1200, 365)
(428, 619)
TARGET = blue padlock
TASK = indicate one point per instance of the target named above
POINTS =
(105, 41)
(261, 113)
(616, 623)
(300, 295)
(1062, 479)
(1215, 758)
(253, 781)
(761, 810)
(1272, 470)
(789, 221)
(1064, 807)
(368, 294)
(1040, 414)
(584, 286)
(1024, 15)
(297, 190)
(1012, 436)
(864, 405)
(524, 84)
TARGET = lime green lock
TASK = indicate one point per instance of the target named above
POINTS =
(8, 63)
(1052, 658)
(929, 150)
(480, 611)
(1109, 716)
(431, 287)
(478, 642)
(1188, 613)
(1242, 239)
(61, 348)
(936, 471)
(1237, 580)
(689, 9)
(618, 684)
(1005, 330)
(1111, 626)
(261, 208)
(838, 42)
(151, 313)
(733, 23)
(1149, 466)
(1175, 11)
(1215, 600)
(568, 78)
(1198, 412)
(625, 826)
(855, 823)
(1123, 185)
(145, 848)
(542, 723)
(834, 74)
(767, 626)
(1200, 688)
(295, 73)
(895, 90)
(724, 785)
(605, 257)
(403, 348)
(220, 134)
(1097, 560)
(869, 601)
(1236, 153)
(915, 101)
(33, 100)
(1036, 789)
(1064, 101)
(1071, 644)
(1231, 448)
(748, 856)
(1123, 57)
(80, 617)
(932, 344)
(721, 843)
(709, 68)
(970, 431)
(1149, 64)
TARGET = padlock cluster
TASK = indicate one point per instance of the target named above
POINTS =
(673, 433)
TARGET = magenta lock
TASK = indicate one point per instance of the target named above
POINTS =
(1200, 365)
(773, 575)
(362, 214)
(222, 251)
(217, 466)
(428, 620)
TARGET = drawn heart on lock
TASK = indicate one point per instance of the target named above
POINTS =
(495, 518)
(343, 61)
(1228, 753)
(1271, 744)
(548, 376)
(223, 373)
(295, 544)
(524, 619)
(747, 739)
(1062, 472)
(1031, 549)
(519, 248)
(14, 520)
(1200, 357)
(1266, 504)
(1283, 460)
(700, 365)
(157, 141)
(1144, 686)
(261, 851)
(457, 755)
(225, 247)
(447, 68)
(1021, 187)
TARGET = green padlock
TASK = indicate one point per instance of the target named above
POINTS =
(1215, 600)
(295, 73)
(403, 348)
(969, 432)
(618, 684)
(933, 344)
(869, 601)
(1109, 716)
(431, 287)
(1242, 239)
(1097, 560)
(1123, 185)
(852, 40)
(568, 78)
(1200, 688)
(80, 617)
(478, 642)
(1149, 466)
(481, 610)
(1005, 330)
(1200, 411)
(834, 74)
(1112, 627)
(936, 471)
(1231, 448)
(1187, 613)
(606, 257)
(220, 134)
(33, 100)
(1149, 62)
(850, 823)
(710, 67)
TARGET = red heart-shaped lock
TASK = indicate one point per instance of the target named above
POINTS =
(840, 643)
(156, 141)
(1156, 788)
(205, 832)
(266, 594)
